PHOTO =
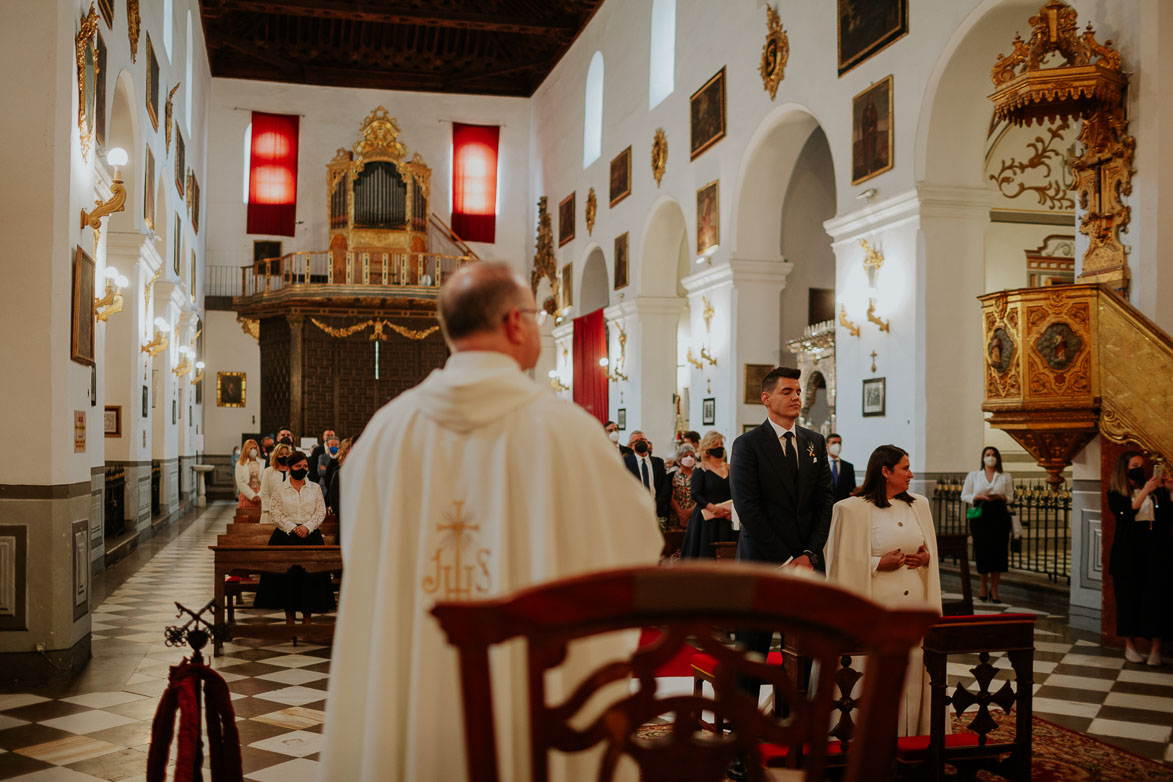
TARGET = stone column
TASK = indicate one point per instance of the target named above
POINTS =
(649, 324)
(563, 366)
(296, 388)
(1087, 562)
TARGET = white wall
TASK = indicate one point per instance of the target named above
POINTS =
(230, 350)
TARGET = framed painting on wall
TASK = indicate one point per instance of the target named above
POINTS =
(567, 286)
(193, 200)
(265, 248)
(866, 27)
(146, 396)
(873, 396)
(180, 162)
(566, 220)
(230, 389)
(81, 342)
(177, 257)
(871, 131)
(100, 91)
(621, 260)
(708, 217)
(620, 176)
(107, 9)
(149, 188)
(753, 382)
(707, 115)
(621, 419)
(709, 412)
(152, 84)
(112, 421)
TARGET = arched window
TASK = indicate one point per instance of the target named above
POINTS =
(248, 155)
(592, 132)
(188, 84)
(167, 25)
(661, 73)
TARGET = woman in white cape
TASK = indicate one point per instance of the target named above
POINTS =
(882, 545)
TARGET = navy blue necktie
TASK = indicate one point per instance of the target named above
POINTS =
(643, 468)
(835, 470)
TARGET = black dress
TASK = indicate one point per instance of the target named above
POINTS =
(991, 536)
(295, 589)
(1139, 564)
(707, 487)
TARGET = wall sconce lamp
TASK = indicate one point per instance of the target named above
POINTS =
(184, 365)
(112, 301)
(692, 360)
(614, 375)
(118, 158)
(199, 376)
(556, 382)
(852, 329)
(159, 343)
(872, 263)
(705, 354)
(873, 318)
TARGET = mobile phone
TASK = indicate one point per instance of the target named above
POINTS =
(1159, 471)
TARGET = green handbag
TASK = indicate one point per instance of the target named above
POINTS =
(973, 513)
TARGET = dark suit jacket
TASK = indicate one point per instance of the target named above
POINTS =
(776, 522)
(314, 459)
(846, 482)
(660, 481)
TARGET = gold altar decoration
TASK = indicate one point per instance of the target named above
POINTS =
(1066, 361)
(852, 328)
(133, 24)
(615, 370)
(694, 361)
(116, 203)
(87, 69)
(250, 326)
(545, 264)
(1090, 85)
(775, 53)
(592, 209)
(167, 112)
(147, 290)
(1052, 193)
(377, 334)
(659, 154)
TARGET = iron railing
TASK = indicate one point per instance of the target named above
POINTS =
(1045, 545)
(386, 271)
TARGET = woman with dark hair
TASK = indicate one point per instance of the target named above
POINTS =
(1140, 555)
(990, 491)
(882, 545)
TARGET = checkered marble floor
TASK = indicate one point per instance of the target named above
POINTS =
(97, 726)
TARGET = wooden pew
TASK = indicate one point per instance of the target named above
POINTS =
(237, 559)
(244, 533)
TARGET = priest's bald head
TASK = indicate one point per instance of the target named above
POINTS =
(487, 306)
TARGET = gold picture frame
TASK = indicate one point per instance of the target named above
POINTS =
(621, 260)
(871, 131)
(180, 162)
(152, 96)
(149, 188)
(566, 220)
(107, 9)
(102, 55)
(591, 210)
(620, 184)
(708, 216)
(707, 115)
(193, 200)
(567, 286)
(775, 53)
(659, 154)
(867, 27)
(754, 373)
(231, 389)
(87, 78)
(133, 26)
(81, 337)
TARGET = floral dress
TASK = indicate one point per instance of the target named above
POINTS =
(682, 494)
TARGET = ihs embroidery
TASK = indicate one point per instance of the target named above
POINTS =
(454, 576)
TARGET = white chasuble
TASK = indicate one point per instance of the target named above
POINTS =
(475, 483)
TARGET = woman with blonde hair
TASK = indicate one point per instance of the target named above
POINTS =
(712, 516)
(331, 483)
(275, 474)
(249, 469)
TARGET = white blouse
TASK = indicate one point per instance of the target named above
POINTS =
(894, 528)
(248, 478)
(271, 478)
(292, 507)
(976, 483)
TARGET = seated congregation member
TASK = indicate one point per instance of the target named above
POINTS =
(650, 471)
(990, 491)
(882, 545)
(274, 475)
(249, 469)
(319, 458)
(712, 516)
(297, 509)
(682, 502)
(842, 471)
(1140, 557)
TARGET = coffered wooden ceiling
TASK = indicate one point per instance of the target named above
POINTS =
(486, 47)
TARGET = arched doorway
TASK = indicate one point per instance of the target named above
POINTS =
(594, 286)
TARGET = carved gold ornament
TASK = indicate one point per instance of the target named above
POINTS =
(133, 23)
(167, 112)
(1052, 194)
(592, 209)
(147, 289)
(659, 154)
(708, 314)
(545, 265)
(250, 326)
(86, 60)
(1090, 86)
(377, 333)
(775, 53)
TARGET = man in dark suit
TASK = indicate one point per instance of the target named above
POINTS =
(649, 470)
(612, 430)
(782, 493)
(842, 471)
(317, 464)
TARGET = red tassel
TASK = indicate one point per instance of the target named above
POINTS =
(223, 738)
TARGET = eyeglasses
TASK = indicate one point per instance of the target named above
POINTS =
(539, 314)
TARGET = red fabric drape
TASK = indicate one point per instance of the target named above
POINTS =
(272, 174)
(590, 379)
(474, 181)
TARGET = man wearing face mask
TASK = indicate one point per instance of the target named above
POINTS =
(612, 430)
(319, 459)
(842, 471)
(650, 471)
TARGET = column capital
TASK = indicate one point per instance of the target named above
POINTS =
(642, 306)
(296, 320)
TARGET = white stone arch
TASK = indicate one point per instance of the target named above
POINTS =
(594, 282)
(658, 261)
(592, 131)
(123, 131)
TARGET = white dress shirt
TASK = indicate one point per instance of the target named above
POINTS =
(781, 431)
(290, 507)
(641, 460)
(977, 483)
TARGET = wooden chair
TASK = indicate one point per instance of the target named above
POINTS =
(726, 549)
(673, 540)
(686, 601)
(957, 546)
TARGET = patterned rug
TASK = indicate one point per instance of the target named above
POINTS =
(1060, 755)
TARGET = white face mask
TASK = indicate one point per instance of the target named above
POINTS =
(613, 437)
(834, 449)
(687, 461)
(252, 453)
(991, 461)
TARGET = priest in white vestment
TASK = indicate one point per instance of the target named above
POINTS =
(475, 483)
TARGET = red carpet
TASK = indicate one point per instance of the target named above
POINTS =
(681, 662)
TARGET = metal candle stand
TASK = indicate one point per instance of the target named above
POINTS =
(196, 632)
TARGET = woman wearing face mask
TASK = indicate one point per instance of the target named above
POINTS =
(297, 509)
(712, 516)
(248, 476)
(990, 491)
(1139, 559)
(274, 475)
(682, 501)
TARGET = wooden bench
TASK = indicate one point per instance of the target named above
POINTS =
(240, 559)
(244, 533)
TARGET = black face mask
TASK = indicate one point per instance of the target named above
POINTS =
(298, 475)
(717, 453)
(1136, 475)
(640, 447)
(283, 460)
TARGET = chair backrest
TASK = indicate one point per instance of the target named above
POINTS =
(687, 601)
(957, 546)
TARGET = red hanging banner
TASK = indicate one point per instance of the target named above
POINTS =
(590, 378)
(474, 181)
(272, 174)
